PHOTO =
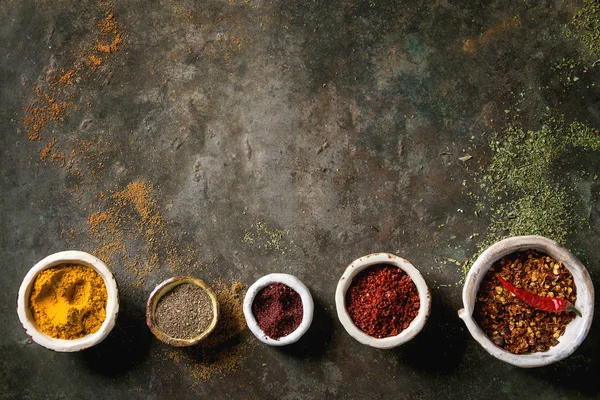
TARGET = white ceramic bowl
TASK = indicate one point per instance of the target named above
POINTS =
(112, 304)
(415, 326)
(307, 306)
(577, 329)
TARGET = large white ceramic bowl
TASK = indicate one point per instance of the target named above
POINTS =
(577, 329)
(415, 326)
(308, 308)
(112, 303)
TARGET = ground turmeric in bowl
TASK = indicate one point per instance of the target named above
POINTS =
(68, 301)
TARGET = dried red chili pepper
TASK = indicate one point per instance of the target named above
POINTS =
(551, 304)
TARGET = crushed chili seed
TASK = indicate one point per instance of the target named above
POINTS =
(508, 321)
(382, 301)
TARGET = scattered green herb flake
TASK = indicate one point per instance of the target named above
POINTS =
(465, 158)
(265, 238)
(521, 186)
(455, 262)
(465, 267)
(585, 28)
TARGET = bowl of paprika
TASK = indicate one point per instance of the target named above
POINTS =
(382, 300)
(528, 301)
(68, 301)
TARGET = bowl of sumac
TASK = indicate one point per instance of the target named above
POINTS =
(528, 301)
(382, 300)
(278, 309)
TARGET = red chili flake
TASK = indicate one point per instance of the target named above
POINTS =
(382, 300)
(278, 310)
(522, 317)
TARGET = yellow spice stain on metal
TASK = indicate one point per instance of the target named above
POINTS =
(472, 45)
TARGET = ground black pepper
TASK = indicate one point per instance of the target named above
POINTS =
(184, 312)
(278, 310)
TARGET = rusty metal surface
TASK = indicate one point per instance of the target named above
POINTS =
(283, 136)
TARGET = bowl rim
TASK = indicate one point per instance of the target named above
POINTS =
(163, 288)
(68, 345)
(416, 324)
(584, 302)
(307, 308)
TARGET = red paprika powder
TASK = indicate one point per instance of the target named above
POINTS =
(278, 310)
(382, 300)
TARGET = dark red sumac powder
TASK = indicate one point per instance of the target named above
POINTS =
(382, 301)
(278, 310)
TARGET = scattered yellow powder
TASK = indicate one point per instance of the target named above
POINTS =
(108, 28)
(473, 45)
(59, 159)
(41, 111)
(100, 226)
(67, 77)
(47, 150)
(224, 349)
(138, 194)
(85, 163)
(130, 218)
(94, 61)
(52, 102)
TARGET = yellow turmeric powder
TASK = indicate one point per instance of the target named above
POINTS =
(68, 301)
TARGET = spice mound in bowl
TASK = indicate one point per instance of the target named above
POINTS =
(528, 301)
(182, 311)
(68, 301)
(278, 310)
(382, 300)
(508, 320)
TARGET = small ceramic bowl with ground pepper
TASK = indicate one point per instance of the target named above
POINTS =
(421, 309)
(78, 258)
(282, 305)
(576, 330)
(168, 287)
